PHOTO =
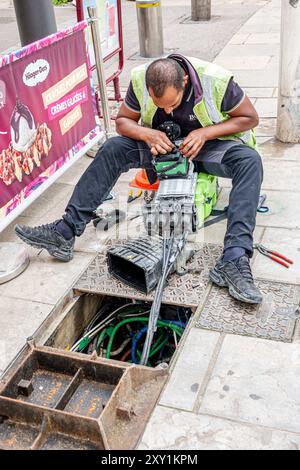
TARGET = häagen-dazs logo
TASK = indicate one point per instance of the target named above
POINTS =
(36, 72)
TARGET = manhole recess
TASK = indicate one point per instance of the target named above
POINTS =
(187, 290)
(274, 319)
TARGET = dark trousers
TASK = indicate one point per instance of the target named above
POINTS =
(119, 154)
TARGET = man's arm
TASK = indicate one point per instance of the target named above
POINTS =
(243, 118)
(127, 126)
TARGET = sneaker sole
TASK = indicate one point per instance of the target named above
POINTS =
(218, 279)
(53, 251)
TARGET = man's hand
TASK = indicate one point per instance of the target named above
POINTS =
(193, 143)
(157, 141)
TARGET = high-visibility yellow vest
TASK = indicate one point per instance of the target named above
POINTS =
(214, 81)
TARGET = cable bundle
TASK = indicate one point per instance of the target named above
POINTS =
(121, 333)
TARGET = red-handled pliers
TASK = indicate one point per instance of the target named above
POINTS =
(274, 255)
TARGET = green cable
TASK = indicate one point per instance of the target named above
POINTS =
(100, 339)
(155, 348)
(176, 328)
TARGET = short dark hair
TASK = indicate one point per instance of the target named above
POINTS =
(163, 73)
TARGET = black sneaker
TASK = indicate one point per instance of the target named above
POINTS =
(237, 276)
(47, 237)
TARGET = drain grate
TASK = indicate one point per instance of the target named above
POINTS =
(186, 290)
(274, 319)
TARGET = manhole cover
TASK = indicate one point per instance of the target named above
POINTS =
(63, 401)
(187, 290)
(274, 319)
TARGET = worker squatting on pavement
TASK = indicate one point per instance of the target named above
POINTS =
(216, 120)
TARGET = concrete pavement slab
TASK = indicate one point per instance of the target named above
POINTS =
(240, 50)
(215, 233)
(281, 176)
(73, 174)
(190, 370)
(277, 150)
(257, 79)
(19, 319)
(266, 107)
(171, 429)
(46, 280)
(259, 92)
(266, 127)
(238, 38)
(256, 381)
(244, 63)
(284, 209)
(286, 242)
(48, 200)
(263, 38)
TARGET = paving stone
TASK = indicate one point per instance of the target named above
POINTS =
(266, 107)
(262, 140)
(190, 369)
(263, 92)
(284, 210)
(259, 78)
(248, 51)
(170, 429)
(260, 28)
(286, 242)
(262, 380)
(73, 174)
(277, 150)
(215, 233)
(46, 280)
(263, 20)
(48, 200)
(274, 319)
(263, 38)
(243, 63)
(239, 38)
(282, 179)
(266, 127)
(19, 319)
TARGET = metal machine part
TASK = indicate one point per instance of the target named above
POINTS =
(173, 208)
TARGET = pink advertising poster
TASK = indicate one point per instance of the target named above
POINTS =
(47, 113)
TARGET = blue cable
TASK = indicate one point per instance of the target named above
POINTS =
(134, 344)
(143, 331)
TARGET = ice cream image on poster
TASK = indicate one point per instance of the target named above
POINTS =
(22, 127)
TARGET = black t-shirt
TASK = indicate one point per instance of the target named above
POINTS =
(184, 115)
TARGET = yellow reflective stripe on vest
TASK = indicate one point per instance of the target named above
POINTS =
(207, 83)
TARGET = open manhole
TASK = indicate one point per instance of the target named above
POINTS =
(54, 398)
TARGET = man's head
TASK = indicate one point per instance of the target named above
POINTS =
(165, 81)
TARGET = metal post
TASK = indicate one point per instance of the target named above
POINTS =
(288, 119)
(95, 28)
(36, 20)
(149, 19)
(201, 10)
